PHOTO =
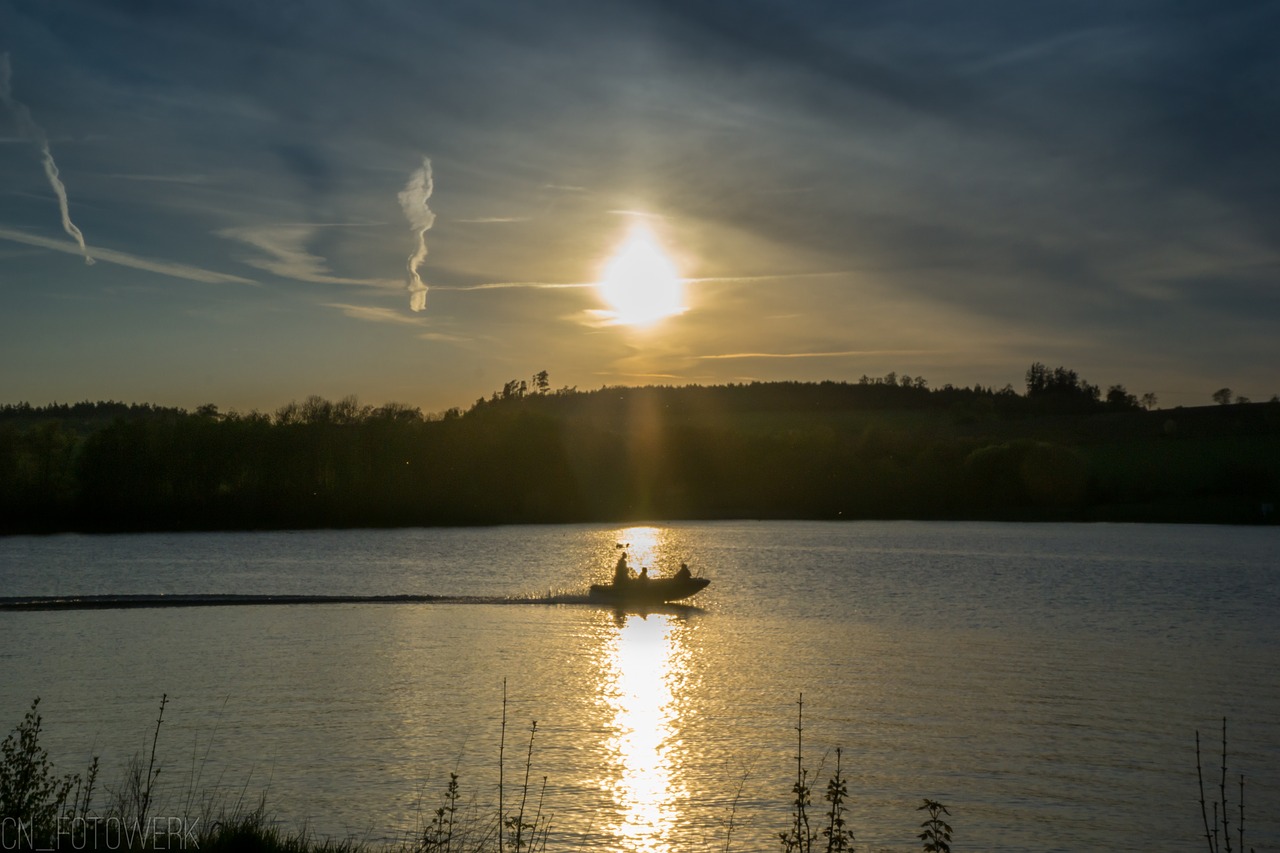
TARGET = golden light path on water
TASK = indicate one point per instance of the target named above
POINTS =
(643, 674)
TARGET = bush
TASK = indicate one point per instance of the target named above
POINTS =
(33, 800)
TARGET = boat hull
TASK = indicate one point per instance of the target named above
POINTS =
(653, 591)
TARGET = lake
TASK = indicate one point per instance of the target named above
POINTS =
(1045, 681)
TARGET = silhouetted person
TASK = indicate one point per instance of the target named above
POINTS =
(644, 573)
(621, 574)
(684, 574)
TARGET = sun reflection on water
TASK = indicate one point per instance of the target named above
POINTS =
(647, 547)
(645, 667)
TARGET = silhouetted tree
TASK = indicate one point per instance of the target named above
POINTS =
(1222, 396)
(760, 449)
(1119, 398)
(1060, 388)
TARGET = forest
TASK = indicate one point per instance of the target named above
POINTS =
(883, 448)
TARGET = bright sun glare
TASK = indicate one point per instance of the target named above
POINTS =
(640, 283)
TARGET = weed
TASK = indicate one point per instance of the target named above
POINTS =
(133, 801)
(31, 795)
(937, 832)
(733, 810)
(516, 824)
(839, 838)
(1220, 810)
(799, 839)
(438, 837)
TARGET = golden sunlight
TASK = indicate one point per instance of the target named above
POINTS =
(646, 662)
(640, 283)
(644, 545)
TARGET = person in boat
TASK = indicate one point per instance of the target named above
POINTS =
(684, 574)
(644, 573)
(621, 574)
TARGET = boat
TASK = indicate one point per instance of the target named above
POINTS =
(638, 591)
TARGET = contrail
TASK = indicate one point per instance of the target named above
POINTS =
(413, 200)
(28, 128)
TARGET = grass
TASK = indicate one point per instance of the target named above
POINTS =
(1221, 808)
(40, 809)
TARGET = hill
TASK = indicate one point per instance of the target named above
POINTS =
(831, 450)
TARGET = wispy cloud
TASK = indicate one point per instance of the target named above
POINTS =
(32, 131)
(491, 220)
(374, 314)
(444, 337)
(413, 201)
(124, 259)
(191, 179)
(511, 285)
(719, 279)
(286, 255)
(830, 354)
(643, 377)
(639, 214)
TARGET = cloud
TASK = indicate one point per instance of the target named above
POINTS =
(836, 354)
(787, 276)
(189, 179)
(443, 337)
(374, 314)
(124, 259)
(413, 201)
(32, 131)
(641, 214)
(287, 255)
(513, 285)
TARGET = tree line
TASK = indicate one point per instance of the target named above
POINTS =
(878, 448)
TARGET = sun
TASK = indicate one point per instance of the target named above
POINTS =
(640, 283)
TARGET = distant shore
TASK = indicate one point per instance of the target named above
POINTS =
(771, 451)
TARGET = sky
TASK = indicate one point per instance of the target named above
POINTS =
(416, 202)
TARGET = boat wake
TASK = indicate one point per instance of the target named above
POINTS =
(130, 602)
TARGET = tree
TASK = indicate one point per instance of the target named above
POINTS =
(1060, 388)
(1037, 379)
(1149, 401)
(1119, 398)
(1222, 396)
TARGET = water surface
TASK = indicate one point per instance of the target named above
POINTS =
(1045, 681)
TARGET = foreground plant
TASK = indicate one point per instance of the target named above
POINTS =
(33, 800)
(937, 832)
(135, 799)
(438, 837)
(1220, 810)
(839, 838)
(800, 838)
